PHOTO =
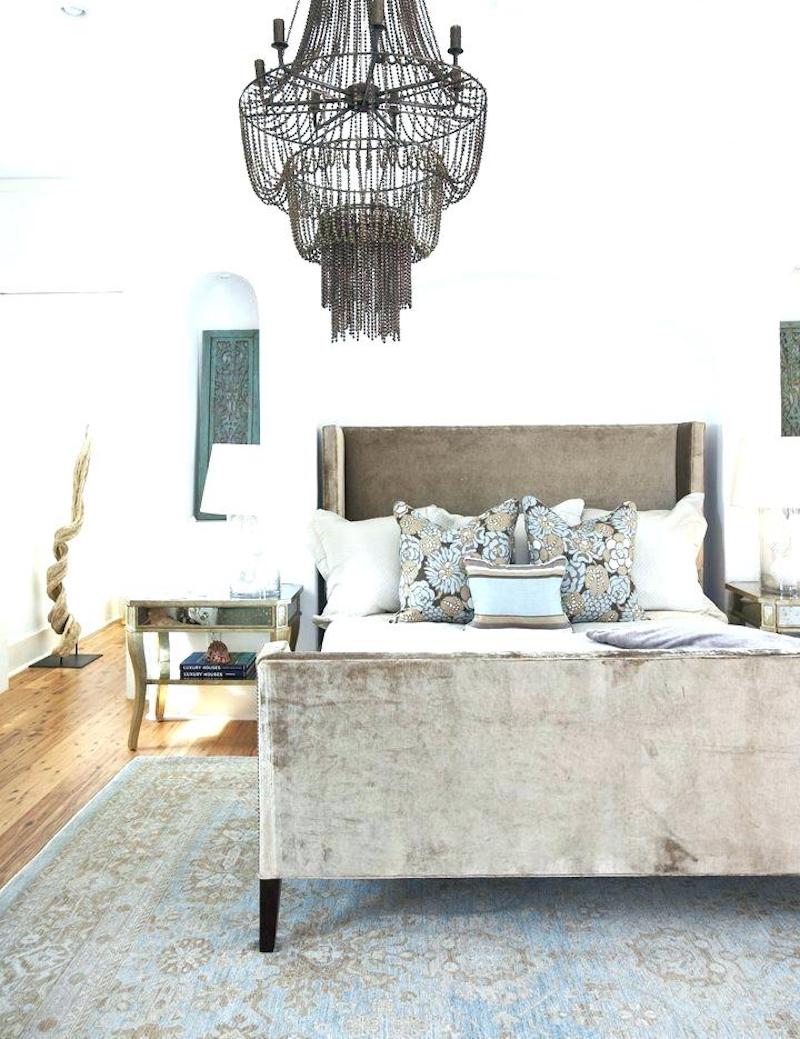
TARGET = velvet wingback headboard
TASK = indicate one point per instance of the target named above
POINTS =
(466, 469)
(364, 470)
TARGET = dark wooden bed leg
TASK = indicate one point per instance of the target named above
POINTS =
(269, 903)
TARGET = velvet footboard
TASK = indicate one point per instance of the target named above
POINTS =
(458, 766)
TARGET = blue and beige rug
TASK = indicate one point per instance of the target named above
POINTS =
(139, 922)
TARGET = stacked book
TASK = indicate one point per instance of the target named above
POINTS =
(197, 666)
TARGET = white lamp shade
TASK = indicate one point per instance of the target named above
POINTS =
(767, 474)
(236, 480)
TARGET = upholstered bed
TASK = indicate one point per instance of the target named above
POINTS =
(400, 754)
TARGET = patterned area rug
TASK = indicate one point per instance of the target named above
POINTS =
(139, 922)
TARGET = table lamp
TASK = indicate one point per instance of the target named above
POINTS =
(235, 485)
(767, 477)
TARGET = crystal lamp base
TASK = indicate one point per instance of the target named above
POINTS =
(780, 551)
(254, 574)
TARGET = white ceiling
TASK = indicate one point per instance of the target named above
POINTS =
(596, 112)
(51, 71)
(76, 91)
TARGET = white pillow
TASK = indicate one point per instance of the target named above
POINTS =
(570, 511)
(668, 542)
(359, 560)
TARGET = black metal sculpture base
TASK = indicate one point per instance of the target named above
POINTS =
(71, 660)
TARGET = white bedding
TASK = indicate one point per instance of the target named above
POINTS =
(375, 634)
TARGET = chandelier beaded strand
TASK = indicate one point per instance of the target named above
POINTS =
(364, 139)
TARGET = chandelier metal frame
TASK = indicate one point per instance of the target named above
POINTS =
(364, 139)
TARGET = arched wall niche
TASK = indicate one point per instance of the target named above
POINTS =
(223, 300)
(224, 316)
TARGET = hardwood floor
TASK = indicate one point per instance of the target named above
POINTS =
(63, 735)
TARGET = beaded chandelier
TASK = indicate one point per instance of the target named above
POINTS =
(364, 138)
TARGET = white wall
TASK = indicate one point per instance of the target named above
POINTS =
(625, 256)
(65, 344)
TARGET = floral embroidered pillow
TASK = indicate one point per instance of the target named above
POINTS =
(433, 580)
(597, 585)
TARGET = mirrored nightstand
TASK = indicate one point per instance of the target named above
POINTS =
(757, 609)
(278, 619)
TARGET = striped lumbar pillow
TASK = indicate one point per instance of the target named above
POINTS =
(522, 596)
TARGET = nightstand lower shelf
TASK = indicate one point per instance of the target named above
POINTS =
(200, 681)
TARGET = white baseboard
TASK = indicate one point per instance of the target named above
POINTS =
(3, 663)
(38, 644)
(22, 654)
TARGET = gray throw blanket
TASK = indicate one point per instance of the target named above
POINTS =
(732, 639)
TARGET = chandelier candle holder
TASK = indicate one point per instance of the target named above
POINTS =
(364, 139)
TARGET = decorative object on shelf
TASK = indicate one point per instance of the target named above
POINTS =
(204, 615)
(235, 485)
(194, 616)
(237, 667)
(63, 623)
(228, 404)
(159, 617)
(768, 478)
(790, 378)
(364, 139)
(217, 653)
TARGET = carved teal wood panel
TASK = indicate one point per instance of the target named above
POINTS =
(790, 378)
(228, 406)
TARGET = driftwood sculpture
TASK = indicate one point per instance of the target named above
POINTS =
(60, 619)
